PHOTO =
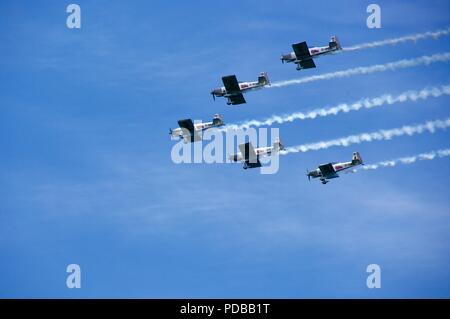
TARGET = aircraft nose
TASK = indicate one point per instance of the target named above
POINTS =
(216, 92)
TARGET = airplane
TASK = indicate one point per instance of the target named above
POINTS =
(233, 89)
(330, 170)
(303, 56)
(250, 156)
(188, 131)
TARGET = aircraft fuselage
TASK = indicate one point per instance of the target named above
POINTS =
(243, 86)
(338, 167)
(197, 127)
(314, 52)
(261, 151)
(178, 132)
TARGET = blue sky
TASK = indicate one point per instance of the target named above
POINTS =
(87, 176)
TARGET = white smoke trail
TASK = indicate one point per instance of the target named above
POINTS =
(414, 37)
(430, 126)
(366, 103)
(401, 64)
(406, 160)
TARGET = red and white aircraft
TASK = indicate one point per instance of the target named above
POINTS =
(233, 89)
(188, 131)
(330, 170)
(250, 156)
(303, 56)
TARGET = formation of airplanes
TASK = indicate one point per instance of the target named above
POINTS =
(234, 90)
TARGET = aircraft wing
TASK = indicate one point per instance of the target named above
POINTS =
(189, 126)
(328, 171)
(249, 155)
(301, 50)
(231, 83)
(307, 64)
(237, 99)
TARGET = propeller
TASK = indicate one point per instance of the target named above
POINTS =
(214, 97)
(309, 176)
(170, 131)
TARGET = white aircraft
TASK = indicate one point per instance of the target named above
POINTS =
(250, 156)
(330, 170)
(303, 56)
(188, 131)
(233, 89)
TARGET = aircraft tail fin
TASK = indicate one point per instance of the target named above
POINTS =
(263, 78)
(277, 145)
(356, 159)
(334, 43)
(217, 120)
